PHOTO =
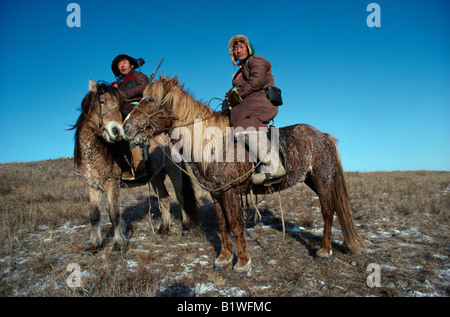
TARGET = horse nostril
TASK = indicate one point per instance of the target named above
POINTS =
(115, 131)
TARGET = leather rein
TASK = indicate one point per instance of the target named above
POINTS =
(161, 113)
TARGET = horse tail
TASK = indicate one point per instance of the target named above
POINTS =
(190, 201)
(341, 201)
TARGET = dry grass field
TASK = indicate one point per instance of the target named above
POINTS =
(403, 217)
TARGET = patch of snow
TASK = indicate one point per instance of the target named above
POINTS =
(388, 267)
(132, 265)
(204, 288)
(445, 191)
(297, 229)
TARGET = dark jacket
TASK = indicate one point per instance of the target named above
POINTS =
(255, 110)
(133, 86)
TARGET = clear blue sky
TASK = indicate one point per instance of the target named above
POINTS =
(383, 92)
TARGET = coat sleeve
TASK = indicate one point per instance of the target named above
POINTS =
(256, 80)
(138, 90)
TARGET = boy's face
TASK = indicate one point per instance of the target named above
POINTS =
(124, 66)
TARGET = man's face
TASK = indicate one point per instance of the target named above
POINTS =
(240, 51)
(124, 66)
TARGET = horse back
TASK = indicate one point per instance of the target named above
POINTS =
(304, 149)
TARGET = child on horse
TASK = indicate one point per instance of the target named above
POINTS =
(132, 84)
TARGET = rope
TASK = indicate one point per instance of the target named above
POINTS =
(282, 215)
(258, 214)
(148, 135)
(200, 184)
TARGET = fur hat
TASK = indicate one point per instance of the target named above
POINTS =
(243, 39)
(136, 63)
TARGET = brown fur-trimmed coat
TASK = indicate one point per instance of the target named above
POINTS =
(255, 110)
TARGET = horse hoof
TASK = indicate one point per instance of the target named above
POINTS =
(91, 247)
(118, 246)
(220, 264)
(243, 268)
(323, 254)
(185, 228)
(164, 231)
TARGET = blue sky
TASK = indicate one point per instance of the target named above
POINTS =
(383, 92)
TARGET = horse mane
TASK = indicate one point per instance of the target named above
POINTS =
(187, 110)
(87, 108)
(184, 106)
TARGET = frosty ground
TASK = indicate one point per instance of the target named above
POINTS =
(402, 216)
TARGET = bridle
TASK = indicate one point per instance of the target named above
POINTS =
(161, 113)
(100, 126)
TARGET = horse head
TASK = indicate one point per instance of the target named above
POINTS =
(102, 108)
(153, 115)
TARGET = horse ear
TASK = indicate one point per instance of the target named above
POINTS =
(172, 82)
(92, 86)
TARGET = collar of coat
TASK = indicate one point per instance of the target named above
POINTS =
(127, 77)
(127, 80)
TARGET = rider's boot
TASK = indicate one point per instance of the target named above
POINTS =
(138, 169)
(270, 170)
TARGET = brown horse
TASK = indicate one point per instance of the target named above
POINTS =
(312, 157)
(99, 153)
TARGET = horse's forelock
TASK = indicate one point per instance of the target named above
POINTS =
(104, 87)
(89, 101)
(155, 92)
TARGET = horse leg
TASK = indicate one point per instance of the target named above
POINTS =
(226, 252)
(232, 208)
(112, 205)
(327, 209)
(95, 238)
(327, 213)
(163, 202)
(178, 187)
(184, 192)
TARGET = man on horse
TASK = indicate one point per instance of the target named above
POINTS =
(251, 109)
(132, 84)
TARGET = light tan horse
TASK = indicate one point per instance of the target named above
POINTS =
(98, 129)
(98, 156)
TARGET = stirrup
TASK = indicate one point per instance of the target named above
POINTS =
(133, 176)
(130, 177)
(269, 179)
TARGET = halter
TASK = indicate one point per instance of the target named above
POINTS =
(100, 126)
(150, 116)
